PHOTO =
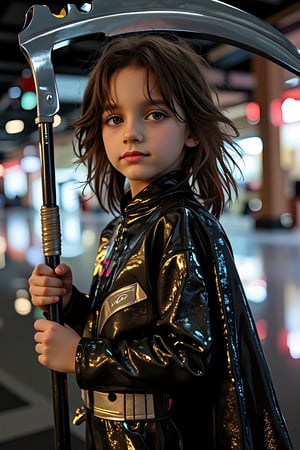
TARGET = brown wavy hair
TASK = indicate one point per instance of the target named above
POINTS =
(181, 75)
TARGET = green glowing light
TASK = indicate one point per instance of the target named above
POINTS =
(28, 100)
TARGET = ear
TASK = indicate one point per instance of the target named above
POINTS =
(190, 141)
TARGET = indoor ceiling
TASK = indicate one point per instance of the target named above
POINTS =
(231, 64)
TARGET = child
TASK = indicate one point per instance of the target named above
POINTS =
(164, 346)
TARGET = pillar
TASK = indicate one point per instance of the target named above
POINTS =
(274, 196)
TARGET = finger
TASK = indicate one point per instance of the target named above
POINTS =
(45, 281)
(43, 360)
(43, 295)
(39, 348)
(47, 292)
(41, 337)
(38, 337)
(63, 270)
(43, 269)
(41, 325)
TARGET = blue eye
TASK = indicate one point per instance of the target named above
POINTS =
(113, 120)
(156, 115)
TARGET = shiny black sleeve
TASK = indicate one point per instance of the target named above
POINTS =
(176, 351)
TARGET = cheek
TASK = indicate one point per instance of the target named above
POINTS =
(108, 146)
(111, 156)
(174, 141)
(105, 137)
(166, 139)
(108, 141)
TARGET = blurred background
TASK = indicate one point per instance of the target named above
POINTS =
(263, 225)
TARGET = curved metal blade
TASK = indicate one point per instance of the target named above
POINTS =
(208, 19)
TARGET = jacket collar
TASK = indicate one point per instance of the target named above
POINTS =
(152, 194)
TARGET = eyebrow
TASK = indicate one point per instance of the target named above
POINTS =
(110, 107)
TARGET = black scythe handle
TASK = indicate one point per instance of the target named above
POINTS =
(51, 241)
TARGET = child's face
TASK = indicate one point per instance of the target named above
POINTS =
(143, 140)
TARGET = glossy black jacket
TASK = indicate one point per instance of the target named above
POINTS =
(167, 313)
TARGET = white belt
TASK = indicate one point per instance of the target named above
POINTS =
(124, 407)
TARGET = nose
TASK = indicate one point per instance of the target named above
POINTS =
(133, 132)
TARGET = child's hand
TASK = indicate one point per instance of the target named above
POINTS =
(56, 345)
(47, 285)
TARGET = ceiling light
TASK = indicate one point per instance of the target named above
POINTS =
(14, 92)
(14, 126)
(28, 101)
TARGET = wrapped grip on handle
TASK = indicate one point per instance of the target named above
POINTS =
(51, 235)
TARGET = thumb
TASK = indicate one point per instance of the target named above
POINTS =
(62, 270)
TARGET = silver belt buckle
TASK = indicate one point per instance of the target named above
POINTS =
(121, 407)
(139, 406)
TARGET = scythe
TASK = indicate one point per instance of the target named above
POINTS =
(44, 31)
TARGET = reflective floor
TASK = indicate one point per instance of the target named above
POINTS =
(269, 265)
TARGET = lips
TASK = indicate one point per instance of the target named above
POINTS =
(133, 155)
